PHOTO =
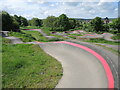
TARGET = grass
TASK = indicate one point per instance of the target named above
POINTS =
(100, 40)
(38, 36)
(30, 27)
(29, 36)
(5, 41)
(28, 66)
(46, 30)
(25, 37)
(59, 36)
(73, 37)
(76, 34)
(110, 49)
(116, 36)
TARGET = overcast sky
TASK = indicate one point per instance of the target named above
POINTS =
(72, 8)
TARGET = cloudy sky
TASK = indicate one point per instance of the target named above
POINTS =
(72, 8)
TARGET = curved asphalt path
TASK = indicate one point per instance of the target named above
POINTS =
(81, 68)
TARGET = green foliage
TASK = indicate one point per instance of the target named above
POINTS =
(22, 21)
(113, 31)
(28, 66)
(73, 23)
(97, 24)
(8, 23)
(63, 22)
(115, 24)
(30, 27)
(60, 23)
(49, 21)
(35, 22)
(116, 36)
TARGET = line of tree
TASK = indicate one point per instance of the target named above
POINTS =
(35, 22)
(61, 23)
(12, 23)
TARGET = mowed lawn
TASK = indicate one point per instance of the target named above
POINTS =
(28, 66)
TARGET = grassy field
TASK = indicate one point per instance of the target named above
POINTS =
(28, 66)
(46, 30)
(24, 36)
(30, 27)
(110, 49)
(100, 40)
(116, 36)
(29, 36)
(38, 36)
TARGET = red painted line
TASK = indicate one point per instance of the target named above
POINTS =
(38, 42)
(100, 58)
(32, 29)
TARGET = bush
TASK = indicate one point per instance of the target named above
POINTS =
(55, 39)
(116, 37)
(113, 31)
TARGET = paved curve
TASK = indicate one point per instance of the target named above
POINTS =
(80, 68)
(107, 36)
(15, 40)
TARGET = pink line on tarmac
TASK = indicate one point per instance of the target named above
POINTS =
(100, 58)
(32, 29)
(39, 42)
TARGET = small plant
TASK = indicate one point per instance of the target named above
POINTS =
(116, 36)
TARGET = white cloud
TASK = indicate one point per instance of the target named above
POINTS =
(42, 8)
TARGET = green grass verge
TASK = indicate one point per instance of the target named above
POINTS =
(25, 37)
(110, 49)
(116, 36)
(76, 34)
(73, 37)
(30, 27)
(37, 35)
(46, 30)
(29, 36)
(100, 40)
(28, 66)
(5, 41)
(59, 36)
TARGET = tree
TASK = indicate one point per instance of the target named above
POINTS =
(8, 23)
(97, 24)
(63, 21)
(23, 21)
(79, 24)
(35, 22)
(49, 21)
(116, 24)
(60, 23)
(17, 19)
(73, 23)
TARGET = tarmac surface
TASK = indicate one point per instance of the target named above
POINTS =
(81, 69)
